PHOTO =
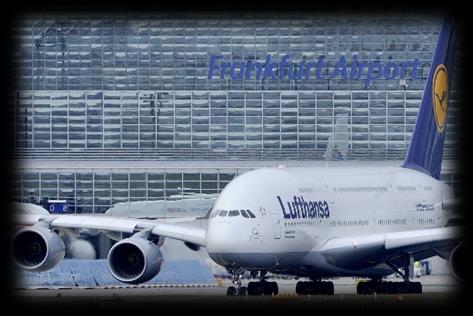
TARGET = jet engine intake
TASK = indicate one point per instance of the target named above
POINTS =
(134, 260)
(458, 262)
(37, 249)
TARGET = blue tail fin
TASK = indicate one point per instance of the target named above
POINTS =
(426, 148)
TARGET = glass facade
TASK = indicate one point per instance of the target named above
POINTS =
(131, 87)
(166, 52)
(138, 86)
(239, 124)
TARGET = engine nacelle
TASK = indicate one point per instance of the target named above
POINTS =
(37, 249)
(457, 262)
(134, 260)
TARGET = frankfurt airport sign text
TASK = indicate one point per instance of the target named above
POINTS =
(318, 69)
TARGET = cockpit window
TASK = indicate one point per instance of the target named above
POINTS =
(251, 214)
(233, 213)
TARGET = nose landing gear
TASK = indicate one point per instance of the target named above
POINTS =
(237, 289)
(262, 287)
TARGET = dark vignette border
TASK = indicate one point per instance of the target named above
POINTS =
(196, 305)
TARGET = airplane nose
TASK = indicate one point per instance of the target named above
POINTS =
(229, 245)
(220, 238)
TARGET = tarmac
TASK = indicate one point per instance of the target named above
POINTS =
(439, 291)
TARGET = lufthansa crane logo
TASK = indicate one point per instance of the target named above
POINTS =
(440, 96)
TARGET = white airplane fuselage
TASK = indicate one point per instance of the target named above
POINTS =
(297, 210)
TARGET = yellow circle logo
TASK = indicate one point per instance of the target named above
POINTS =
(440, 96)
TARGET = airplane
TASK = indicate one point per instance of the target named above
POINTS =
(310, 222)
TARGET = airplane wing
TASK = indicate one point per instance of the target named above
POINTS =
(191, 231)
(360, 251)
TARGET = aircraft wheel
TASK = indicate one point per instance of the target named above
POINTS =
(418, 288)
(300, 288)
(267, 288)
(365, 288)
(328, 288)
(361, 288)
(275, 288)
(231, 291)
(252, 288)
(414, 288)
(387, 288)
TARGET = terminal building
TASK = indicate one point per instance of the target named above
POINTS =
(110, 109)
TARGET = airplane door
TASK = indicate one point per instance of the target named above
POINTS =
(276, 227)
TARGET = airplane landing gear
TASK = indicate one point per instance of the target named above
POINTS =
(263, 287)
(380, 287)
(314, 287)
(237, 289)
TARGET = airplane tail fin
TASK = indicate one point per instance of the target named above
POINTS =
(426, 148)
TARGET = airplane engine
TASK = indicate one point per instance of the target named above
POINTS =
(458, 262)
(37, 249)
(134, 260)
